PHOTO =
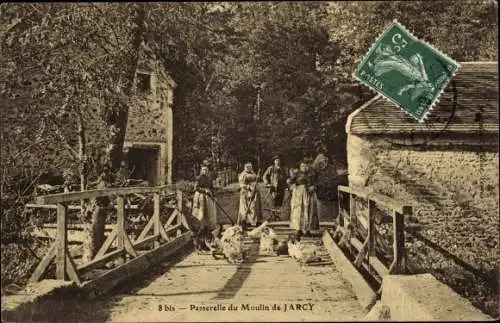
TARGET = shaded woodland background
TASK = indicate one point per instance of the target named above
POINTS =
(63, 65)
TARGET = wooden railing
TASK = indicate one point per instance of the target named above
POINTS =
(362, 218)
(167, 223)
(226, 177)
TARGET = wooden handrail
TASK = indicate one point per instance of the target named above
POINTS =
(71, 207)
(379, 199)
(90, 194)
(395, 210)
(75, 226)
(350, 190)
(118, 238)
(227, 176)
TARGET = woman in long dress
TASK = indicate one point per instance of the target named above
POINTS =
(204, 207)
(250, 207)
(303, 215)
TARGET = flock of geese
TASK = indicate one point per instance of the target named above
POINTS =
(230, 244)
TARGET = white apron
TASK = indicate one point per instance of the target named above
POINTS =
(205, 210)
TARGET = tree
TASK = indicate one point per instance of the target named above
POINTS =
(449, 26)
(200, 44)
(81, 56)
(280, 54)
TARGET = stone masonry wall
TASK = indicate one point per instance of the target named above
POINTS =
(454, 191)
(148, 119)
(29, 137)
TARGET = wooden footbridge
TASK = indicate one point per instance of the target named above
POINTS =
(196, 287)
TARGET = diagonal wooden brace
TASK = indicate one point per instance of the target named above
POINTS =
(362, 253)
(105, 246)
(71, 269)
(146, 229)
(128, 246)
(44, 264)
(171, 218)
(345, 238)
(123, 241)
(163, 233)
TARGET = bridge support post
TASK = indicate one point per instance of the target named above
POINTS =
(120, 226)
(61, 241)
(156, 218)
(398, 243)
(351, 210)
(350, 225)
(122, 240)
(179, 200)
(371, 231)
(180, 209)
(340, 217)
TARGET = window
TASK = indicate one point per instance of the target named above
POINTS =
(144, 82)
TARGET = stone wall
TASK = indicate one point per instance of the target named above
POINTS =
(35, 142)
(422, 298)
(454, 190)
(150, 120)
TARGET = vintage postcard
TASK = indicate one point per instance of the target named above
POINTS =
(218, 161)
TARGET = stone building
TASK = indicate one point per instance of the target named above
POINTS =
(148, 138)
(447, 168)
(34, 141)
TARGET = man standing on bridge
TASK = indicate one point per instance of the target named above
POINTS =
(250, 208)
(275, 178)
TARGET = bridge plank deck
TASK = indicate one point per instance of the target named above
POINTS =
(200, 280)
(194, 279)
(263, 281)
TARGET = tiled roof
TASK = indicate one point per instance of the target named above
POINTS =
(473, 108)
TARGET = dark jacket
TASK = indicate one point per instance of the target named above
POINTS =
(303, 178)
(275, 176)
(203, 182)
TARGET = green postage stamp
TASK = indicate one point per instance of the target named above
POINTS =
(407, 71)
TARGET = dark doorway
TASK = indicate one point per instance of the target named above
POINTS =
(143, 164)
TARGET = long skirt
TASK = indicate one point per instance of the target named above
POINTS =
(204, 211)
(304, 211)
(250, 208)
(277, 195)
(286, 206)
(314, 213)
